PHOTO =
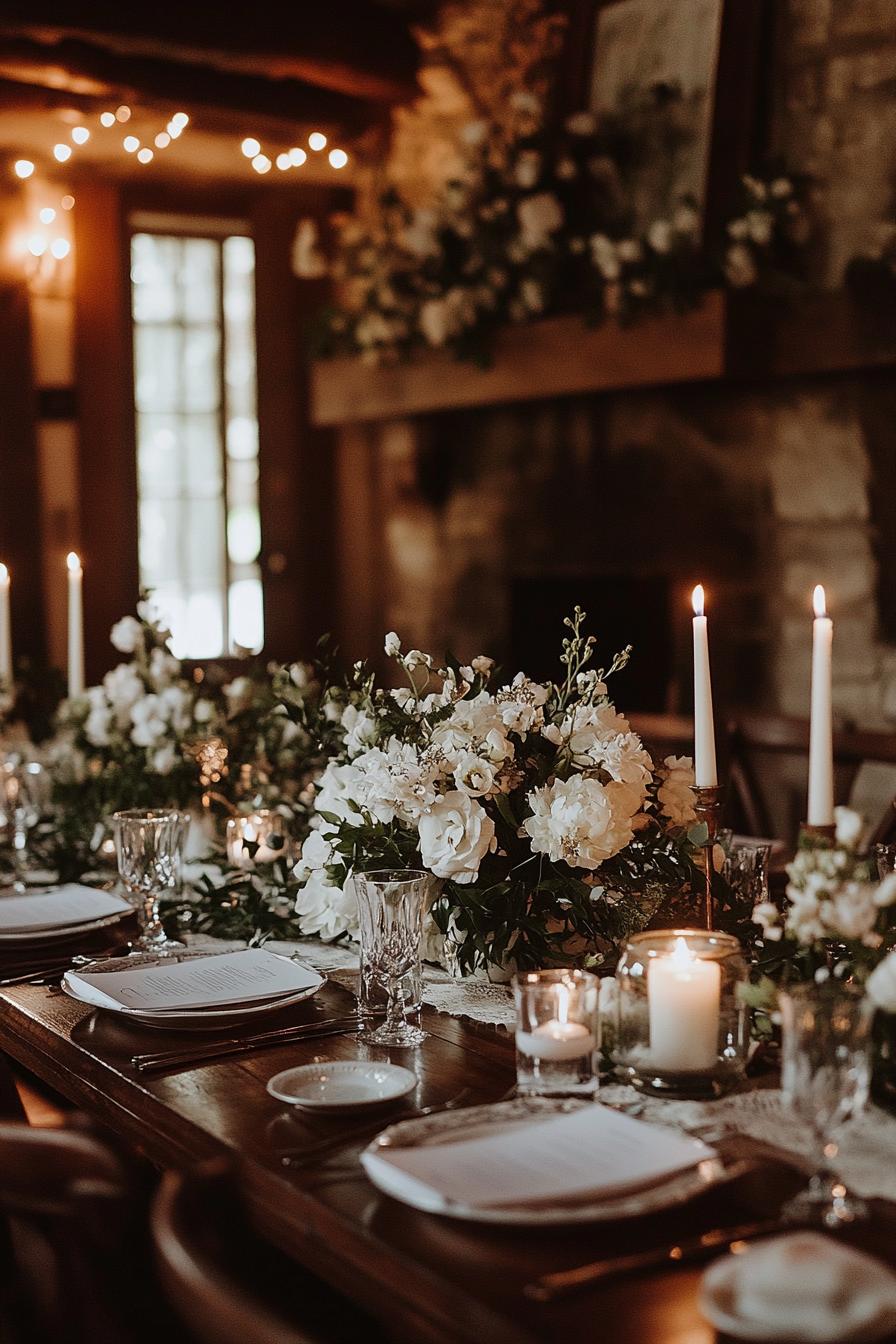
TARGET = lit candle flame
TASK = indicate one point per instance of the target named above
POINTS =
(698, 599)
(681, 956)
(818, 601)
(74, 564)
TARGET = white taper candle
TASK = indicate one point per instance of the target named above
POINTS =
(705, 774)
(820, 809)
(75, 626)
(5, 629)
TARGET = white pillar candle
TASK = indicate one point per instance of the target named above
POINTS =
(5, 629)
(820, 809)
(705, 774)
(75, 626)
(683, 996)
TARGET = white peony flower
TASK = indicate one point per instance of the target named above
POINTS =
(881, 984)
(455, 836)
(676, 792)
(580, 821)
(126, 634)
(316, 853)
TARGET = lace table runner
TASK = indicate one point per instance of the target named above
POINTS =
(867, 1159)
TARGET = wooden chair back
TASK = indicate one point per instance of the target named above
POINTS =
(73, 1237)
(754, 738)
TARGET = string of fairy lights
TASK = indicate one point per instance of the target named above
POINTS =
(41, 244)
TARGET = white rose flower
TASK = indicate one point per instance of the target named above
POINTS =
(881, 984)
(580, 821)
(392, 645)
(327, 911)
(126, 634)
(848, 826)
(676, 792)
(455, 836)
(473, 775)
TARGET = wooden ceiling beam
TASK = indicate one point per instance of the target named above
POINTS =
(357, 48)
(83, 70)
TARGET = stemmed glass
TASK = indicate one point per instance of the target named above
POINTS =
(825, 1079)
(746, 871)
(885, 858)
(25, 798)
(391, 906)
(149, 844)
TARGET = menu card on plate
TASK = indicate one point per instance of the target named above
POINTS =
(592, 1153)
(217, 981)
(55, 909)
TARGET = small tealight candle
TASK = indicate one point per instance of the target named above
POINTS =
(558, 1038)
(683, 995)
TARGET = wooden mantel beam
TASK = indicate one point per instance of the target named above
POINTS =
(355, 48)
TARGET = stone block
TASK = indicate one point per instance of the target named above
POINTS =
(817, 462)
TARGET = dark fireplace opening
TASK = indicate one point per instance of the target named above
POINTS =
(622, 609)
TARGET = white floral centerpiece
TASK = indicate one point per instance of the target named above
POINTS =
(128, 742)
(553, 832)
(837, 919)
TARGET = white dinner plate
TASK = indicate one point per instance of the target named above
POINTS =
(183, 1019)
(862, 1319)
(61, 932)
(341, 1086)
(478, 1122)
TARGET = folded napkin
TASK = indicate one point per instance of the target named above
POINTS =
(802, 1286)
(592, 1153)
(38, 911)
(231, 979)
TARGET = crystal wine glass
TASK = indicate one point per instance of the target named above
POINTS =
(391, 907)
(149, 844)
(25, 798)
(825, 1079)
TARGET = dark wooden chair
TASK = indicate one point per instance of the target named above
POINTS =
(72, 1238)
(226, 1286)
(762, 744)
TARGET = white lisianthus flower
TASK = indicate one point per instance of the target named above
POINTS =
(126, 634)
(164, 760)
(360, 730)
(316, 853)
(455, 833)
(539, 217)
(473, 775)
(676, 791)
(848, 826)
(580, 821)
(881, 984)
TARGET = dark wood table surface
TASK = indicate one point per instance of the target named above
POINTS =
(430, 1278)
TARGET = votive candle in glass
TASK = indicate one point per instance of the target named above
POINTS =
(265, 829)
(556, 1032)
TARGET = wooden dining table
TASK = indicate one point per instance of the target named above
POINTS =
(429, 1278)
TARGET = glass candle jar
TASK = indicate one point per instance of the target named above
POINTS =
(267, 830)
(556, 1032)
(683, 1025)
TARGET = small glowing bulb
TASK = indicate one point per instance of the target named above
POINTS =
(37, 244)
(107, 118)
(67, 202)
(73, 562)
(297, 157)
(23, 168)
(317, 140)
(819, 602)
(131, 143)
(174, 129)
(261, 163)
(163, 140)
(698, 600)
(80, 135)
(62, 152)
(284, 162)
(180, 120)
(145, 155)
(47, 215)
(338, 158)
(60, 247)
(123, 113)
(250, 147)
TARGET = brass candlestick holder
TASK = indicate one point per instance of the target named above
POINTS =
(708, 806)
(825, 835)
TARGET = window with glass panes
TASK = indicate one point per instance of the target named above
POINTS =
(197, 438)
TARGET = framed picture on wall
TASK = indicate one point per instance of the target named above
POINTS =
(680, 82)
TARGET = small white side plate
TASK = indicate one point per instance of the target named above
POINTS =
(344, 1086)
